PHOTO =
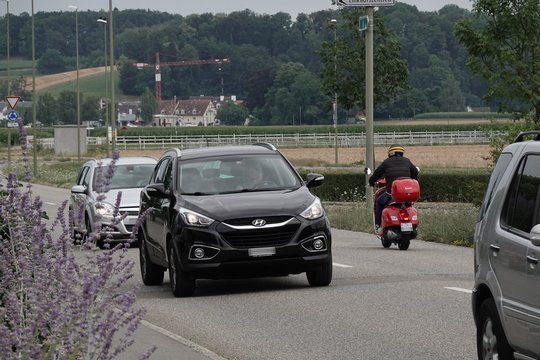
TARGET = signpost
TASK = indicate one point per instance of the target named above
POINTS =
(363, 2)
(365, 24)
(12, 116)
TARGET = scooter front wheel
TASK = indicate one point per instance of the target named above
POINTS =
(385, 242)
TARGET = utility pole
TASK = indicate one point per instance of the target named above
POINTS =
(370, 157)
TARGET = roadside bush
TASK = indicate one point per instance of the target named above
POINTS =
(57, 301)
(449, 186)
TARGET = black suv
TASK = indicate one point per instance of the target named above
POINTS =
(231, 212)
(506, 296)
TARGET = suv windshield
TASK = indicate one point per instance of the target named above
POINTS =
(127, 176)
(228, 174)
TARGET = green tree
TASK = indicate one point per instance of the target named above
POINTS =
(67, 107)
(344, 62)
(502, 38)
(47, 108)
(451, 98)
(295, 96)
(51, 62)
(232, 114)
(90, 108)
(148, 105)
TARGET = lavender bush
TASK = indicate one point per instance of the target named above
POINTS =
(56, 300)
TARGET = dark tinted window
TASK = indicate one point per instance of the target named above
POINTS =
(502, 164)
(521, 203)
(162, 171)
(82, 174)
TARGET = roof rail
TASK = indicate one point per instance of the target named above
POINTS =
(522, 135)
(266, 145)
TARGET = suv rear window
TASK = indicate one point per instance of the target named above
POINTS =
(521, 208)
(502, 164)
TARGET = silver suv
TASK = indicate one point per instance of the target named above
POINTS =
(506, 296)
(90, 214)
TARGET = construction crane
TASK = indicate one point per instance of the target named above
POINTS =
(157, 66)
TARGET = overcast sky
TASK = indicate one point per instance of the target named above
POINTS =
(185, 7)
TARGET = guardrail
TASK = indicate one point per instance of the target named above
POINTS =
(300, 140)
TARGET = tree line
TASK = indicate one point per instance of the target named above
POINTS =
(286, 71)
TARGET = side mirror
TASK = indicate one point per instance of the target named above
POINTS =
(78, 189)
(157, 190)
(535, 235)
(314, 180)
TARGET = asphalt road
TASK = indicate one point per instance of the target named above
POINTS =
(381, 304)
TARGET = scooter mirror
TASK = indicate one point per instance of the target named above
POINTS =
(367, 171)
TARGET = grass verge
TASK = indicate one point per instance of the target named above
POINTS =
(447, 223)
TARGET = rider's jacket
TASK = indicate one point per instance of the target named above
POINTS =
(392, 168)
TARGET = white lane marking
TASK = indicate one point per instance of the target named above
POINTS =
(196, 347)
(341, 265)
(50, 203)
(459, 289)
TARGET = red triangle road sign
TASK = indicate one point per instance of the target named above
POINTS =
(12, 101)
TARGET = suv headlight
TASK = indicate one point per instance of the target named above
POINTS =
(314, 211)
(103, 208)
(195, 219)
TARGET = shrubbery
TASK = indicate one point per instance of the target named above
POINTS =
(451, 186)
(56, 300)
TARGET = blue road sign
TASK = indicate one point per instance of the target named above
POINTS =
(13, 115)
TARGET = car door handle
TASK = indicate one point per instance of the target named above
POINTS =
(532, 260)
(494, 248)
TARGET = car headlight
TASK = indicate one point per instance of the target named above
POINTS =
(314, 211)
(195, 219)
(103, 208)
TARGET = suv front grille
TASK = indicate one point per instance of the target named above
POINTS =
(262, 237)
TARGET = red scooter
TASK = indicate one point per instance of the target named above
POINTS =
(399, 217)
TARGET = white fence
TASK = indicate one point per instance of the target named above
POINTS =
(291, 140)
(303, 140)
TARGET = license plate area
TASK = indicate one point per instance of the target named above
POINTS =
(262, 252)
(406, 227)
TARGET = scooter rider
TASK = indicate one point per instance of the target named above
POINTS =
(395, 166)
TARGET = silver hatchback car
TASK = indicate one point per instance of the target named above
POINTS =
(89, 214)
(506, 296)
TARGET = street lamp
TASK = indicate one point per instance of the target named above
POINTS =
(8, 62)
(34, 99)
(8, 77)
(73, 7)
(111, 62)
(103, 20)
(335, 117)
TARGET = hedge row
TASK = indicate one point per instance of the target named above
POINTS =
(435, 187)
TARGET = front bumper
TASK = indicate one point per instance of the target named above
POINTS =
(119, 231)
(243, 254)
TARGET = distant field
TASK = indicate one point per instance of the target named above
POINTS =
(91, 85)
(17, 67)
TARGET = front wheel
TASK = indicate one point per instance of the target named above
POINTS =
(182, 284)
(322, 275)
(151, 273)
(491, 341)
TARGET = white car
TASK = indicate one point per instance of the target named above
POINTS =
(89, 214)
